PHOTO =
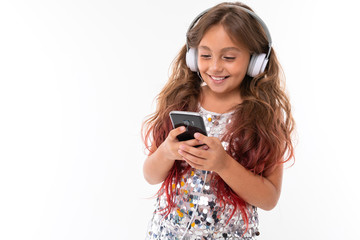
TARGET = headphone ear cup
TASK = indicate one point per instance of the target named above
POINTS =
(191, 59)
(257, 64)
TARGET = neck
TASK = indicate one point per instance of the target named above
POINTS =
(220, 103)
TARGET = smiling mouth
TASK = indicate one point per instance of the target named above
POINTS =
(218, 78)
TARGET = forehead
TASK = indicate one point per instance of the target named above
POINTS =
(216, 38)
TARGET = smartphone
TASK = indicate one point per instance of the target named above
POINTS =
(193, 122)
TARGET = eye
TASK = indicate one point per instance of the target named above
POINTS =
(229, 58)
(206, 56)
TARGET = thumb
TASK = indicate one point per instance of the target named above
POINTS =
(173, 133)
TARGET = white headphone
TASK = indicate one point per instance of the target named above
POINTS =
(257, 62)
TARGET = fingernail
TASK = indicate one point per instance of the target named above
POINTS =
(197, 135)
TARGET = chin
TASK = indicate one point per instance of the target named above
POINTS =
(218, 90)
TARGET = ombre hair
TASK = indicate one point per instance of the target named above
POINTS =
(260, 133)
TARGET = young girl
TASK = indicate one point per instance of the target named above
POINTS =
(229, 73)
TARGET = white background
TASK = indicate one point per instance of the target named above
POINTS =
(77, 78)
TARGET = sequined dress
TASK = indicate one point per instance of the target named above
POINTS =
(197, 207)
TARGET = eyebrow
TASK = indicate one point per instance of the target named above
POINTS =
(222, 50)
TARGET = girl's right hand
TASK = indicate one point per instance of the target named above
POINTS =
(171, 144)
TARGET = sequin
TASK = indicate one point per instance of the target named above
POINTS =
(198, 213)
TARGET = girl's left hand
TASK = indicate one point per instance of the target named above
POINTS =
(210, 158)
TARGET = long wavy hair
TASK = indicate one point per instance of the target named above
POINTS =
(260, 136)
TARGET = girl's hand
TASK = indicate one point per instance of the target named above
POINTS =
(171, 144)
(214, 158)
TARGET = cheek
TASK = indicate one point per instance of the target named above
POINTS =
(202, 65)
(240, 68)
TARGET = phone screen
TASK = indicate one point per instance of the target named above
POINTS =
(193, 122)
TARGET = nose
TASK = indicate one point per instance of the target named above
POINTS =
(216, 65)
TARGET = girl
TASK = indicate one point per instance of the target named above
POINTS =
(229, 73)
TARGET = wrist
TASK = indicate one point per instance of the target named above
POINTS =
(163, 154)
(227, 164)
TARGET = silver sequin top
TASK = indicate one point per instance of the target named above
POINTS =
(198, 213)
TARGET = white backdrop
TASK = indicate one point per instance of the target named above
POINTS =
(78, 77)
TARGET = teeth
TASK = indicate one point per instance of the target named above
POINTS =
(217, 78)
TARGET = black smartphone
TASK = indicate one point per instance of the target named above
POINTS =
(193, 122)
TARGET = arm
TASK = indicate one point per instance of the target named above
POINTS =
(157, 166)
(262, 192)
